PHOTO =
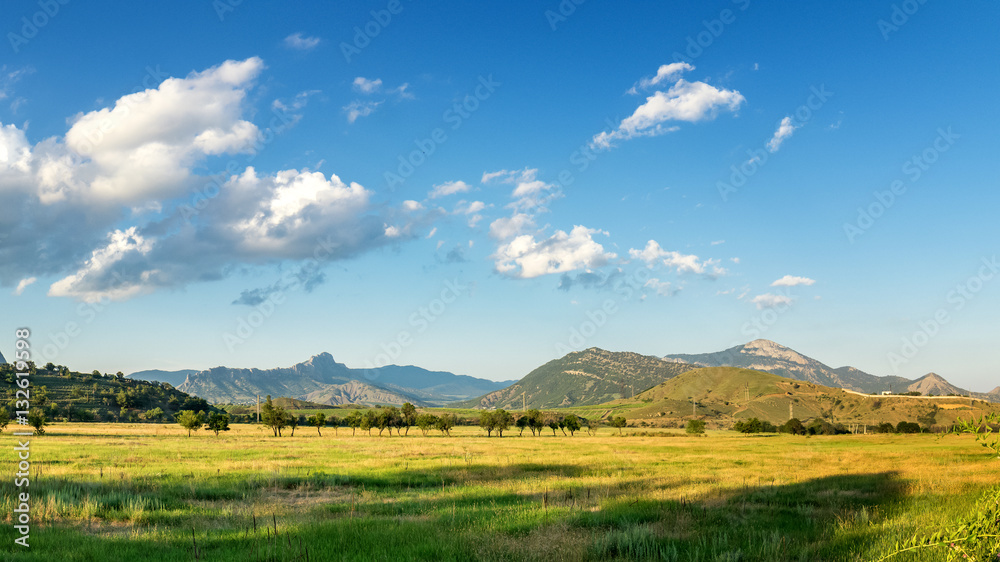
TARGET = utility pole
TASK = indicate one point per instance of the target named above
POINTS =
(790, 406)
(694, 408)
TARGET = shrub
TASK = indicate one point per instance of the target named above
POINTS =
(695, 427)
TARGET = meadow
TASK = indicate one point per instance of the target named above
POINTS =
(149, 492)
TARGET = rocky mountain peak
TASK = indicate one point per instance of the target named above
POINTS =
(768, 348)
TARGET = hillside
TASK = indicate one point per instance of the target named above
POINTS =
(322, 379)
(580, 378)
(174, 378)
(770, 357)
(723, 395)
(2, 360)
(66, 395)
(934, 384)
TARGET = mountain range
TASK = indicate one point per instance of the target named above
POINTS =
(582, 378)
(723, 395)
(323, 380)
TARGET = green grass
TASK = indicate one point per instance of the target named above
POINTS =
(124, 492)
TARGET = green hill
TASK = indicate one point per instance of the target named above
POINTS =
(67, 395)
(581, 378)
(723, 395)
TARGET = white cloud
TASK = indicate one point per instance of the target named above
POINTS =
(683, 263)
(666, 73)
(524, 257)
(432, 232)
(411, 205)
(449, 188)
(510, 176)
(472, 210)
(792, 281)
(785, 130)
(508, 227)
(23, 284)
(769, 300)
(92, 284)
(301, 42)
(144, 146)
(684, 101)
(367, 86)
(358, 108)
(662, 288)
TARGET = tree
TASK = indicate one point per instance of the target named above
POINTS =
(41, 395)
(409, 416)
(368, 421)
(353, 421)
(292, 421)
(754, 425)
(553, 425)
(907, 427)
(535, 422)
(619, 422)
(36, 419)
(217, 422)
(319, 420)
(385, 418)
(426, 422)
(4, 418)
(502, 420)
(334, 422)
(695, 427)
(154, 415)
(445, 422)
(487, 421)
(190, 420)
(273, 417)
(793, 426)
(572, 423)
(522, 422)
(592, 426)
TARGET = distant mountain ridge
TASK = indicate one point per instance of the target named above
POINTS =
(2, 360)
(770, 357)
(173, 378)
(323, 380)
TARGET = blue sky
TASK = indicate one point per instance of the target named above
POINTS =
(487, 188)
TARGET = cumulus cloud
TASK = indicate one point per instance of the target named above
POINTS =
(370, 87)
(23, 284)
(768, 300)
(684, 101)
(792, 281)
(666, 73)
(359, 108)
(301, 42)
(653, 254)
(662, 288)
(525, 257)
(107, 210)
(449, 188)
(367, 86)
(785, 130)
(508, 227)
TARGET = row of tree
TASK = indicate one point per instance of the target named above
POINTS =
(818, 426)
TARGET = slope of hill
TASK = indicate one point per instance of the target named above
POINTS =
(2, 360)
(723, 395)
(770, 357)
(173, 378)
(934, 384)
(73, 396)
(584, 377)
(322, 379)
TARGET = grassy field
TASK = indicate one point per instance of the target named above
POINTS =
(137, 492)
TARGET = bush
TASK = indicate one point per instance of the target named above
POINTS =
(754, 425)
(793, 426)
(695, 427)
